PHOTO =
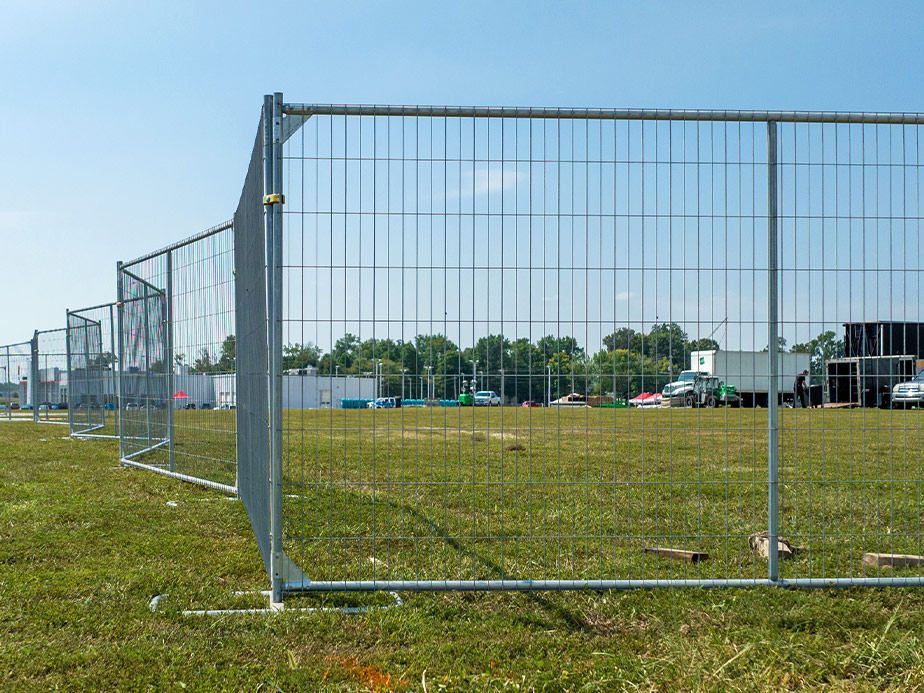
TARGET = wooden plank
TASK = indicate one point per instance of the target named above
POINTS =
(760, 543)
(678, 554)
(892, 560)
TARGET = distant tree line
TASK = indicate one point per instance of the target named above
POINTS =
(629, 363)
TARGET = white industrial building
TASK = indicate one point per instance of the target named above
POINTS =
(306, 390)
(312, 391)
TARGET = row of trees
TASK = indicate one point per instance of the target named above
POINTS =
(433, 365)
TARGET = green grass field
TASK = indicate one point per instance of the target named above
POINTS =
(86, 544)
(580, 493)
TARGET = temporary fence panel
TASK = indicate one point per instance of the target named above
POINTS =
(178, 353)
(576, 259)
(49, 381)
(15, 373)
(143, 380)
(93, 371)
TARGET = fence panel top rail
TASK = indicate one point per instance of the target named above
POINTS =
(869, 118)
(224, 226)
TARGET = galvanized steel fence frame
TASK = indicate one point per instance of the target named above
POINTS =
(49, 353)
(781, 215)
(89, 367)
(16, 361)
(175, 333)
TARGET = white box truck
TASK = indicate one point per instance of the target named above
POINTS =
(749, 371)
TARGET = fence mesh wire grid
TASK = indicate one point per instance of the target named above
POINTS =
(178, 353)
(93, 372)
(527, 350)
(488, 348)
(15, 373)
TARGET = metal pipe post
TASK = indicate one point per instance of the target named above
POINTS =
(67, 350)
(34, 377)
(276, 354)
(168, 357)
(115, 374)
(147, 361)
(773, 402)
(121, 356)
(9, 409)
(273, 347)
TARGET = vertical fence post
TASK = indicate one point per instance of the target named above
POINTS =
(121, 355)
(273, 319)
(70, 385)
(147, 360)
(168, 357)
(115, 373)
(9, 381)
(276, 354)
(773, 403)
(34, 377)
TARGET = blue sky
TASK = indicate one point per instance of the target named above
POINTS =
(127, 126)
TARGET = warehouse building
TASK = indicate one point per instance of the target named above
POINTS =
(306, 389)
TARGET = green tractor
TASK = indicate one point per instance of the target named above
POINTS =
(709, 391)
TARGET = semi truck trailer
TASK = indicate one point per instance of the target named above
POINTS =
(746, 371)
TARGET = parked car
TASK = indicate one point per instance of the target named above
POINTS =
(109, 406)
(909, 393)
(383, 403)
(27, 407)
(207, 405)
(487, 398)
(59, 406)
(191, 405)
(531, 403)
(14, 406)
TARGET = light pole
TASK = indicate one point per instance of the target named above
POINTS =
(474, 376)
(403, 371)
(429, 382)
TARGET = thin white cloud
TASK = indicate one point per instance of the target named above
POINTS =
(495, 179)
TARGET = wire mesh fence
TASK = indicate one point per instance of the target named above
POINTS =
(850, 297)
(541, 348)
(49, 393)
(15, 373)
(93, 372)
(178, 388)
(491, 348)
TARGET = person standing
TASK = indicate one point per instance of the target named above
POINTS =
(800, 390)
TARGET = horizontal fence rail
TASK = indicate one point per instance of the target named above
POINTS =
(648, 114)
